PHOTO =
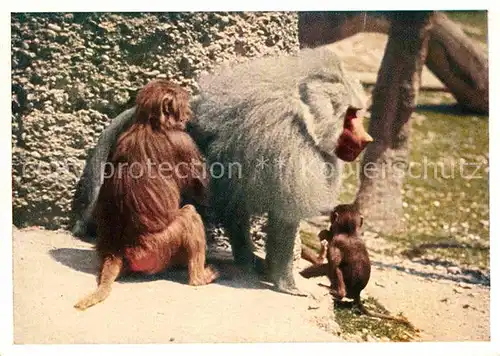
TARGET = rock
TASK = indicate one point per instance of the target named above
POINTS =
(54, 27)
(153, 73)
(454, 270)
(370, 338)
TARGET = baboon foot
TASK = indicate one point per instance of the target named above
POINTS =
(209, 275)
(92, 299)
(289, 288)
(83, 231)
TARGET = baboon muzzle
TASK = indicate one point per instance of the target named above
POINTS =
(353, 139)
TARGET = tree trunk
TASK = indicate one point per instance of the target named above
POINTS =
(453, 57)
(459, 63)
(394, 99)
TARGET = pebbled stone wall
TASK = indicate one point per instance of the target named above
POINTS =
(73, 72)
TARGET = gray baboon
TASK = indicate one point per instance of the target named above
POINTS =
(284, 122)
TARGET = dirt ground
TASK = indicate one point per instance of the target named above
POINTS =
(52, 270)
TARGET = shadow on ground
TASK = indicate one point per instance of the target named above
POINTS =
(86, 261)
(467, 276)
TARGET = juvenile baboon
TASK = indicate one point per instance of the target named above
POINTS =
(348, 266)
(139, 224)
(284, 122)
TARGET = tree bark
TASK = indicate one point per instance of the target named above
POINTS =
(394, 99)
(459, 63)
(453, 57)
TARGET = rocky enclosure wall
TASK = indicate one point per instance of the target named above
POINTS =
(73, 73)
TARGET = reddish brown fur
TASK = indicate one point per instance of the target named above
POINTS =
(344, 219)
(348, 266)
(139, 224)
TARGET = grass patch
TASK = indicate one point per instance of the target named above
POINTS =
(352, 322)
(446, 196)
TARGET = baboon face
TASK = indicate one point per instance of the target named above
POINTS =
(346, 219)
(353, 138)
(335, 103)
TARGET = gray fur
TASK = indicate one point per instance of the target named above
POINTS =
(289, 107)
(87, 190)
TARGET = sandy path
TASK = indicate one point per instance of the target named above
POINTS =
(443, 310)
(52, 270)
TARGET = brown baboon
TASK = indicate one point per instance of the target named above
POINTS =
(140, 225)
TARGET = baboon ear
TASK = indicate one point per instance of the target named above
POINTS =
(334, 216)
(361, 220)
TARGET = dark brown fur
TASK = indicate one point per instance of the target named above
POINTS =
(344, 219)
(348, 266)
(139, 224)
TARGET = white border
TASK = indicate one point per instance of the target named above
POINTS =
(494, 128)
(254, 5)
(459, 348)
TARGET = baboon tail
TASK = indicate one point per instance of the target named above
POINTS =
(373, 314)
(98, 296)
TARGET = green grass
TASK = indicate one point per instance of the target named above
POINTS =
(309, 239)
(352, 322)
(446, 199)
